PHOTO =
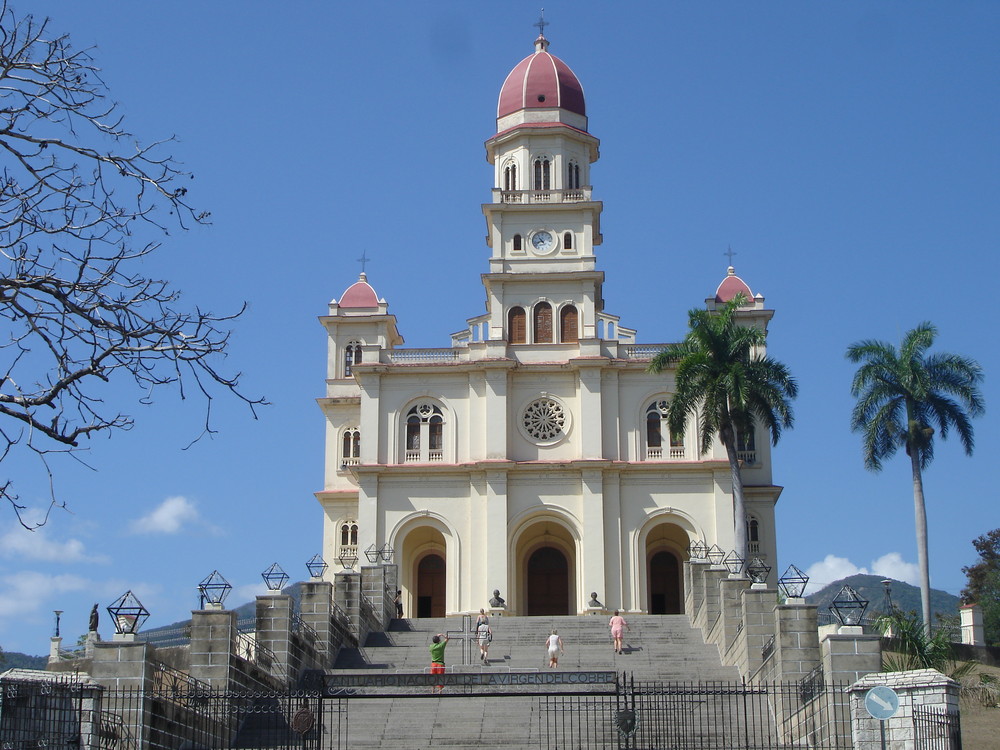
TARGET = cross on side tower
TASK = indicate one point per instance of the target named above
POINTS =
(363, 260)
(730, 253)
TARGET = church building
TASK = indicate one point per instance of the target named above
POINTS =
(531, 455)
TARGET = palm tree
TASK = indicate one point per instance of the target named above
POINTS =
(901, 397)
(724, 379)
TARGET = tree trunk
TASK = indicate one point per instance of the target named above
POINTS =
(739, 505)
(920, 515)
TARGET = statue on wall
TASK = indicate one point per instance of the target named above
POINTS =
(94, 618)
(497, 601)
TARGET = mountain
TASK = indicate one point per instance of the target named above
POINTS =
(904, 596)
(17, 660)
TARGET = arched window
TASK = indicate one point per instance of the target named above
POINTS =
(518, 244)
(348, 535)
(543, 174)
(568, 333)
(656, 431)
(568, 241)
(573, 176)
(543, 323)
(424, 433)
(510, 176)
(352, 356)
(517, 331)
(753, 536)
(351, 447)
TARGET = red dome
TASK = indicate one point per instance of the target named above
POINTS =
(541, 81)
(359, 294)
(731, 286)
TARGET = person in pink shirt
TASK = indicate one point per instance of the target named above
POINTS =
(618, 626)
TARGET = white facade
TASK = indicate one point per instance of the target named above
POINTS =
(527, 456)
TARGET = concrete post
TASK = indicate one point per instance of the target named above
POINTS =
(731, 605)
(694, 582)
(347, 595)
(918, 690)
(213, 641)
(850, 654)
(972, 625)
(758, 626)
(274, 632)
(711, 607)
(317, 613)
(796, 640)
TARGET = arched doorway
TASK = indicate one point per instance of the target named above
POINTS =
(548, 582)
(666, 550)
(664, 591)
(431, 586)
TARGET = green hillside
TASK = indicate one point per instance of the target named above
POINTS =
(904, 596)
(17, 660)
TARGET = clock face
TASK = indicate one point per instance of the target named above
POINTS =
(542, 241)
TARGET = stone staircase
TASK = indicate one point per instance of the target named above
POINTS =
(657, 648)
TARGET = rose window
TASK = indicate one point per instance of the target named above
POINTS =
(544, 419)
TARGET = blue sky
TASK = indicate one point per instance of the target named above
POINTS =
(848, 152)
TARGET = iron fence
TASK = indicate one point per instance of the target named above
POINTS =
(936, 730)
(555, 710)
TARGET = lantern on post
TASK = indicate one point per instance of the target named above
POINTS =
(758, 571)
(793, 582)
(316, 566)
(214, 589)
(848, 606)
(128, 614)
(274, 577)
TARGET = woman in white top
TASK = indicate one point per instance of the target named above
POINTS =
(554, 645)
(484, 634)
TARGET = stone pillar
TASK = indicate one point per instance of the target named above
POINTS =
(711, 605)
(496, 535)
(850, 654)
(920, 689)
(731, 605)
(972, 625)
(55, 643)
(758, 626)
(274, 632)
(796, 640)
(316, 612)
(347, 595)
(122, 664)
(593, 563)
(694, 588)
(375, 586)
(213, 641)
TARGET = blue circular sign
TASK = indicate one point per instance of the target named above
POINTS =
(882, 702)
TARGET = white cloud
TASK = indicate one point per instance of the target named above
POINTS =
(831, 568)
(38, 545)
(892, 565)
(169, 517)
(26, 591)
(246, 593)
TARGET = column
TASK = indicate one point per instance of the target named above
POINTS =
(591, 439)
(592, 566)
(496, 570)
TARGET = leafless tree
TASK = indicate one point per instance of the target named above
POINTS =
(80, 200)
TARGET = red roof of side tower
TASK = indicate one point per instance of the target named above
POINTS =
(541, 81)
(359, 294)
(731, 286)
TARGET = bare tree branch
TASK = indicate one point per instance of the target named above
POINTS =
(77, 193)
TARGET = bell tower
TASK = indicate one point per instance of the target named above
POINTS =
(542, 224)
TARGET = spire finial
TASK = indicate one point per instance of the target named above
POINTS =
(541, 24)
(730, 252)
(363, 260)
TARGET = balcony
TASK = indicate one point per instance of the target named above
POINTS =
(749, 458)
(576, 195)
(433, 456)
(674, 453)
(423, 356)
